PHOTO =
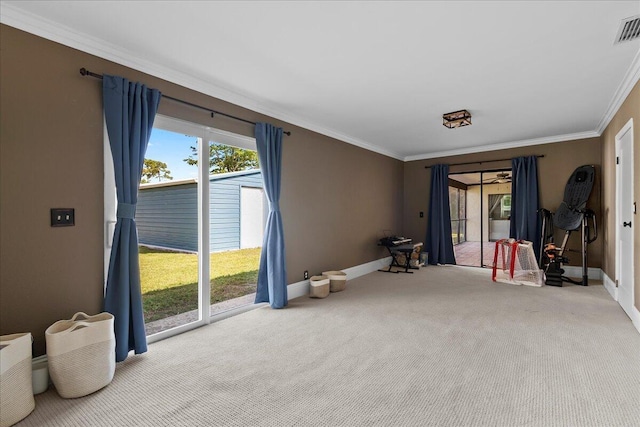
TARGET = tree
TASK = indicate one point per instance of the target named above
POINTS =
(155, 169)
(223, 158)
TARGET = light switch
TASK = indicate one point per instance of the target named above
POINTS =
(62, 217)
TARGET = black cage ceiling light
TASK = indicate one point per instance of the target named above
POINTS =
(456, 119)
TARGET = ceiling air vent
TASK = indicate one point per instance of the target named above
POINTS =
(629, 29)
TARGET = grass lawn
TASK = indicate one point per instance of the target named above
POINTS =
(169, 280)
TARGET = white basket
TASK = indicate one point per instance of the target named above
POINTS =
(338, 280)
(16, 393)
(319, 287)
(81, 354)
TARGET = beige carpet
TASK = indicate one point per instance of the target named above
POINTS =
(443, 347)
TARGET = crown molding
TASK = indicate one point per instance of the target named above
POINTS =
(504, 145)
(50, 30)
(15, 17)
(628, 82)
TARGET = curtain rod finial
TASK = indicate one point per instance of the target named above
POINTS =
(83, 71)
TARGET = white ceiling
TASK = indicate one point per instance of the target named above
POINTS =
(375, 74)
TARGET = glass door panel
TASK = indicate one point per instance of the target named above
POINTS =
(496, 213)
(167, 218)
(458, 211)
(470, 253)
(237, 214)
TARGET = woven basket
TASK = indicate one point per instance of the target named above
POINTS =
(319, 287)
(338, 280)
(81, 354)
(16, 393)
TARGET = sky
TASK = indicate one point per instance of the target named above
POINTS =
(171, 148)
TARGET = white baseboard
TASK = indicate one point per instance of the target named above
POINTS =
(635, 318)
(370, 267)
(592, 272)
(613, 290)
(300, 289)
(610, 286)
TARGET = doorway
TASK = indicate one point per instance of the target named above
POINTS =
(625, 209)
(192, 264)
(486, 197)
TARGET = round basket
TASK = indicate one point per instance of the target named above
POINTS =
(81, 354)
(16, 392)
(319, 287)
(338, 280)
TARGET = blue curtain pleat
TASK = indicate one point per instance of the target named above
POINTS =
(272, 276)
(129, 111)
(525, 220)
(439, 243)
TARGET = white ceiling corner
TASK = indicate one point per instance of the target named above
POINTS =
(626, 85)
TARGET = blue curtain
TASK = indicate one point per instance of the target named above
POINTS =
(439, 243)
(525, 220)
(272, 276)
(129, 111)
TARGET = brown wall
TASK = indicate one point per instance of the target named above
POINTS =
(336, 198)
(559, 161)
(629, 109)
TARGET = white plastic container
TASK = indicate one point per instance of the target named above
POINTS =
(39, 374)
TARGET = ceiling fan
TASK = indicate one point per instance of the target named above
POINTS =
(501, 178)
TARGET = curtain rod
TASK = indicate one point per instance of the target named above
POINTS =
(479, 163)
(86, 72)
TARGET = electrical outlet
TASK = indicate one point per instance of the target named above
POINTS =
(62, 217)
(306, 275)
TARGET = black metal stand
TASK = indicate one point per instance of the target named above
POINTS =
(399, 246)
(395, 252)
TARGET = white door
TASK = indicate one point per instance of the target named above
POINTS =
(625, 218)
(251, 217)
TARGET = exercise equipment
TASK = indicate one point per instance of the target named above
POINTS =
(572, 215)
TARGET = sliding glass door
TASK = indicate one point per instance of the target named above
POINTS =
(486, 212)
(200, 217)
(172, 233)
